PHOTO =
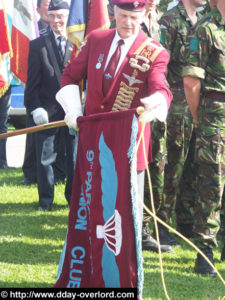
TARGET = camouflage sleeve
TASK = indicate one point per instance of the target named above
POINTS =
(197, 52)
(168, 34)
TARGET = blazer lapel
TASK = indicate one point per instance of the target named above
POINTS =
(56, 50)
(54, 55)
(141, 37)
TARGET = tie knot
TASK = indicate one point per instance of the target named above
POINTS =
(61, 38)
(120, 42)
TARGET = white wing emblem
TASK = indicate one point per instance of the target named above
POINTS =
(132, 79)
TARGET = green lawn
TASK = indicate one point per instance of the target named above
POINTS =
(31, 243)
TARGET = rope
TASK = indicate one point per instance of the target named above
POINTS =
(155, 218)
(154, 213)
(141, 138)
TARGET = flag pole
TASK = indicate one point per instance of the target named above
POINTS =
(32, 129)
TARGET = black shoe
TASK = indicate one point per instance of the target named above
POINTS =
(223, 254)
(201, 265)
(27, 181)
(165, 237)
(47, 208)
(186, 230)
(149, 243)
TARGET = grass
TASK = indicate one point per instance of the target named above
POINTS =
(31, 244)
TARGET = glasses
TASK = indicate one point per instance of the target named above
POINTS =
(59, 17)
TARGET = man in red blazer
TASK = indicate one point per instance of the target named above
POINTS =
(139, 77)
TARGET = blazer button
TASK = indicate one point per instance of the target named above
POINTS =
(102, 106)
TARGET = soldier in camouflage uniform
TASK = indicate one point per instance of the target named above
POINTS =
(175, 25)
(222, 226)
(204, 82)
(210, 5)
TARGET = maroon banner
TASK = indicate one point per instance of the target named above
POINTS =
(103, 234)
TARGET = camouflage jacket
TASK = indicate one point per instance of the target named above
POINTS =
(205, 56)
(175, 25)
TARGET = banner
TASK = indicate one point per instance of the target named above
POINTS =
(5, 43)
(24, 29)
(97, 17)
(103, 243)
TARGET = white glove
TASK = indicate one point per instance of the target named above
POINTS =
(69, 98)
(40, 116)
(155, 107)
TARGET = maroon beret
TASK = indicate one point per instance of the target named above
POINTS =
(134, 5)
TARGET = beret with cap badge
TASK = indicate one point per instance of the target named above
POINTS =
(133, 5)
(58, 4)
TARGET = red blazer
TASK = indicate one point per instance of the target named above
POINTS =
(131, 83)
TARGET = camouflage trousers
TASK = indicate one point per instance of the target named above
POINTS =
(222, 218)
(210, 158)
(222, 213)
(179, 169)
(156, 167)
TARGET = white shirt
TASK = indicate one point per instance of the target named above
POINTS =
(57, 41)
(124, 49)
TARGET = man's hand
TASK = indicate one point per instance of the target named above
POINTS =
(40, 116)
(69, 98)
(155, 107)
(71, 120)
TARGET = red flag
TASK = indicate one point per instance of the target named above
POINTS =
(97, 16)
(5, 44)
(98, 251)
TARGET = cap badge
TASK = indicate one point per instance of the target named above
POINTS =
(136, 3)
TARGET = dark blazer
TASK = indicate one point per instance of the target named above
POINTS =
(44, 28)
(45, 66)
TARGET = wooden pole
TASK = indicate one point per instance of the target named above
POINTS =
(32, 129)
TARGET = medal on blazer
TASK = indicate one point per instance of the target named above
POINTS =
(100, 60)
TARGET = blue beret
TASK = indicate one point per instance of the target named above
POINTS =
(58, 4)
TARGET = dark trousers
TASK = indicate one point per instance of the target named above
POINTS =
(70, 145)
(47, 145)
(5, 101)
(29, 164)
